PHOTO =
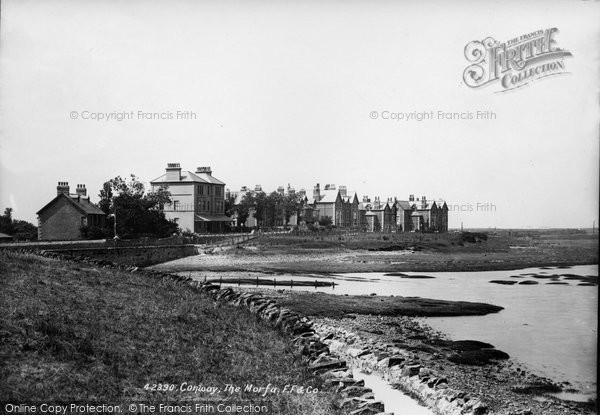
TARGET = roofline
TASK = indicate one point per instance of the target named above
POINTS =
(56, 198)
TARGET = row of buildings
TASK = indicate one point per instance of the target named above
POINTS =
(347, 211)
(199, 206)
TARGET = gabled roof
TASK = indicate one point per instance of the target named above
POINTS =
(82, 204)
(403, 204)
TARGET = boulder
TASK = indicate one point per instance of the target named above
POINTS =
(411, 370)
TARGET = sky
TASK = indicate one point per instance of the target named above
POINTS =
(285, 91)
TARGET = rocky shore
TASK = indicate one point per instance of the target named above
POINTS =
(448, 377)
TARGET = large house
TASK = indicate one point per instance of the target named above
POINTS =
(339, 204)
(68, 214)
(198, 199)
(422, 215)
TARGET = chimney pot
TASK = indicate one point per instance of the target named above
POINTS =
(63, 187)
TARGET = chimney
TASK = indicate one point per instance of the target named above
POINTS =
(63, 187)
(205, 169)
(423, 202)
(173, 172)
(244, 189)
(343, 191)
(302, 192)
(258, 188)
(317, 192)
(411, 198)
(81, 190)
(281, 190)
(365, 199)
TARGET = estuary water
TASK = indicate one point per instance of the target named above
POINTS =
(549, 323)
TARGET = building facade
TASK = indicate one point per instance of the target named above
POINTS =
(68, 215)
(198, 199)
(337, 203)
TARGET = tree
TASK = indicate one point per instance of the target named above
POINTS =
(24, 230)
(292, 204)
(18, 228)
(137, 213)
(325, 221)
(243, 209)
(6, 222)
(260, 208)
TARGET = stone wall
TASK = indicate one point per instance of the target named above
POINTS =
(139, 256)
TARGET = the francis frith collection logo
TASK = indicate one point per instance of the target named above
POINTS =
(514, 63)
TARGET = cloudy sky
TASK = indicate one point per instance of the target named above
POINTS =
(283, 92)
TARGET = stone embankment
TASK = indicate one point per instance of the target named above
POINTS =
(331, 352)
(355, 399)
(400, 368)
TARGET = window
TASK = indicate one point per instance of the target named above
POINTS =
(208, 205)
(176, 205)
(218, 191)
(201, 189)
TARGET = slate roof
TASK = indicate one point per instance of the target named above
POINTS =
(208, 178)
(188, 177)
(404, 204)
(83, 204)
(328, 196)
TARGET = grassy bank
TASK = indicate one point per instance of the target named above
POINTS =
(72, 332)
(327, 305)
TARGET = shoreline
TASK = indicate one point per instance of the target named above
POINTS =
(378, 269)
(504, 386)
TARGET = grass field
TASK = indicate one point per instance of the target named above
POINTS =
(72, 332)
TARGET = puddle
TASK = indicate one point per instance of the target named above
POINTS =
(394, 400)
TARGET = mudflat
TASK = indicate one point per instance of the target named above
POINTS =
(328, 254)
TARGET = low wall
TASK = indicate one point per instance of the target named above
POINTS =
(139, 256)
